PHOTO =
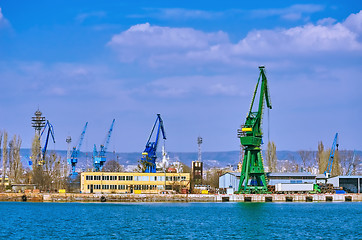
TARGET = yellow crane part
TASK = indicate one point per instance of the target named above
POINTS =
(246, 129)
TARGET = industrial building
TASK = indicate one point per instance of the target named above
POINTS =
(291, 177)
(232, 179)
(133, 182)
(351, 184)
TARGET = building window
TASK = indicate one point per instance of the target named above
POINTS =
(97, 177)
(129, 178)
(121, 178)
(89, 178)
(145, 178)
(183, 178)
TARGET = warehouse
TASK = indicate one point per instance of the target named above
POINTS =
(288, 177)
(351, 184)
(230, 180)
(132, 182)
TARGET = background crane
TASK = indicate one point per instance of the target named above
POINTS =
(73, 160)
(99, 158)
(335, 144)
(149, 154)
(251, 138)
(48, 126)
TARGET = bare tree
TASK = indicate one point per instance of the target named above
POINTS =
(112, 166)
(346, 161)
(271, 157)
(336, 166)
(5, 156)
(35, 150)
(305, 156)
(15, 165)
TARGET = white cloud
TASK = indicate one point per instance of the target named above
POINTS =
(144, 39)
(177, 13)
(181, 13)
(84, 16)
(294, 12)
(3, 20)
(166, 47)
(187, 86)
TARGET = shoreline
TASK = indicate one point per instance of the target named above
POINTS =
(97, 197)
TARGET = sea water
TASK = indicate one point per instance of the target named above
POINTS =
(25, 220)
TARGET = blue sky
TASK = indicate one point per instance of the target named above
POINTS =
(196, 63)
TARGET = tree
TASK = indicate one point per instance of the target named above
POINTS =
(35, 150)
(5, 156)
(322, 158)
(212, 178)
(336, 167)
(305, 156)
(271, 157)
(112, 166)
(15, 165)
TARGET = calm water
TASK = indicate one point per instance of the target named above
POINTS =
(180, 220)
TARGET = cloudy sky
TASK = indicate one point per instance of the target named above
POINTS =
(195, 63)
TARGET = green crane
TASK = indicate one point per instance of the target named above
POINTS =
(252, 178)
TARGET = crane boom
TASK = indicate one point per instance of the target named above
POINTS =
(335, 144)
(100, 158)
(50, 132)
(149, 155)
(74, 156)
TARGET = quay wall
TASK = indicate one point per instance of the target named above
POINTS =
(79, 197)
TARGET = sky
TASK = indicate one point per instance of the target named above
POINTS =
(194, 62)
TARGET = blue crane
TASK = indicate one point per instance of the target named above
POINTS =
(99, 158)
(73, 160)
(149, 154)
(48, 126)
(335, 144)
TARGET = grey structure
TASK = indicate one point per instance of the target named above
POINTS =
(351, 184)
(285, 177)
(230, 180)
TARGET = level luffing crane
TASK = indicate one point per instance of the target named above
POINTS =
(335, 145)
(99, 158)
(73, 160)
(149, 155)
(252, 178)
(50, 132)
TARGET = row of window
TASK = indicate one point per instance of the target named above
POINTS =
(136, 178)
(113, 187)
(109, 178)
(125, 187)
(148, 187)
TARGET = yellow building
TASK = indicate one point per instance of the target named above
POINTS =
(6, 181)
(132, 182)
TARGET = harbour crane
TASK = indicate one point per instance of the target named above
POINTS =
(252, 178)
(48, 126)
(73, 160)
(335, 144)
(99, 158)
(149, 154)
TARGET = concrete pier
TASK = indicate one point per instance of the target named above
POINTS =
(78, 197)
